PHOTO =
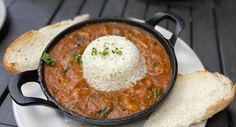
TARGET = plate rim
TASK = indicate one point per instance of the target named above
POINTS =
(3, 12)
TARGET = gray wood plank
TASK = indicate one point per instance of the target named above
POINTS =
(6, 111)
(225, 15)
(185, 14)
(33, 14)
(93, 7)
(154, 7)
(68, 10)
(192, 3)
(4, 77)
(204, 38)
(8, 2)
(205, 45)
(5, 125)
(114, 8)
(218, 120)
(136, 8)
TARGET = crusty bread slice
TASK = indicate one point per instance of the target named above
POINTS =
(24, 53)
(194, 98)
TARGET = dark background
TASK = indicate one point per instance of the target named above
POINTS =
(210, 32)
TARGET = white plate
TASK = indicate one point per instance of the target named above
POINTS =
(40, 116)
(2, 13)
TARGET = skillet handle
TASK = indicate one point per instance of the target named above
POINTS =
(15, 84)
(158, 17)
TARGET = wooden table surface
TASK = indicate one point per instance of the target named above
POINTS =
(210, 31)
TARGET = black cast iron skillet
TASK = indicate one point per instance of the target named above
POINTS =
(37, 75)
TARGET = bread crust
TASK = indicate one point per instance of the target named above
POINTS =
(15, 67)
(195, 78)
(221, 104)
(12, 67)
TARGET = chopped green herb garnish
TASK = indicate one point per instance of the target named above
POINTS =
(48, 60)
(105, 52)
(118, 51)
(156, 92)
(105, 111)
(94, 51)
(102, 111)
(154, 65)
(78, 58)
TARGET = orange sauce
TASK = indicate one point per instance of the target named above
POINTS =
(67, 85)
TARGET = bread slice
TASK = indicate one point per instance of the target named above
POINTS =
(194, 98)
(25, 52)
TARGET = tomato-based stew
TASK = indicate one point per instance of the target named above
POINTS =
(63, 73)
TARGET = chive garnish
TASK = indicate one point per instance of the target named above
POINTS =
(118, 51)
(78, 58)
(105, 52)
(94, 51)
(47, 59)
(156, 92)
(102, 111)
(105, 111)
(154, 65)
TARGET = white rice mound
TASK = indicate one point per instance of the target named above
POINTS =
(113, 72)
